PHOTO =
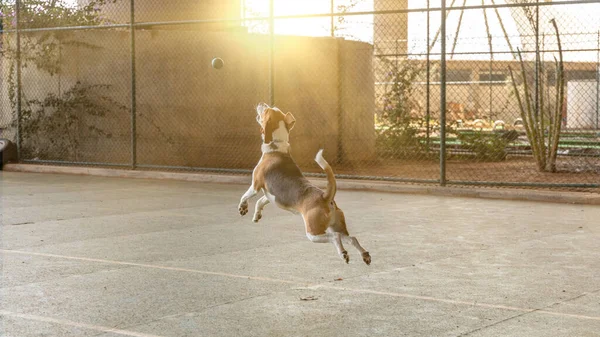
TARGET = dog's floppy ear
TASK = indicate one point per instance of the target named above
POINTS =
(261, 107)
(289, 120)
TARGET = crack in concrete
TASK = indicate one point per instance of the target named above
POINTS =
(539, 310)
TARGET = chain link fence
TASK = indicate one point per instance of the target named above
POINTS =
(455, 92)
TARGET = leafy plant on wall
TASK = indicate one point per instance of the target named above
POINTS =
(55, 122)
(543, 124)
(51, 124)
(399, 123)
(488, 147)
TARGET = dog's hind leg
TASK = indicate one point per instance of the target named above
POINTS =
(260, 204)
(353, 241)
(337, 242)
(334, 238)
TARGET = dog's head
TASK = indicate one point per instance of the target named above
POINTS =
(274, 124)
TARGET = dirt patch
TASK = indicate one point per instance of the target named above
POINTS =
(515, 169)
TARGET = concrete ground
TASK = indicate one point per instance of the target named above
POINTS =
(93, 256)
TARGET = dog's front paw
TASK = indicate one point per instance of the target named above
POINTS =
(367, 258)
(257, 216)
(243, 208)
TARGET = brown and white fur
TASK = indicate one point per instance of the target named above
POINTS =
(283, 184)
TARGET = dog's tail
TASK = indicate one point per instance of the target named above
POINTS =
(331, 185)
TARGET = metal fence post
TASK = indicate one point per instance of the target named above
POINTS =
(537, 62)
(332, 23)
(340, 111)
(133, 88)
(490, 85)
(428, 86)
(19, 84)
(271, 52)
(598, 83)
(443, 98)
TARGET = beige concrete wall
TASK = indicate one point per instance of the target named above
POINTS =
(358, 100)
(390, 34)
(169, 10)
(306, 84)
(189, 114)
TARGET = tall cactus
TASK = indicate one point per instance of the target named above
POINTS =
(543, 134)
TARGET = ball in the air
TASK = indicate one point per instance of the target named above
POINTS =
(217, 63)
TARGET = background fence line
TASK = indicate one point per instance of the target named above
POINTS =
(426, 136)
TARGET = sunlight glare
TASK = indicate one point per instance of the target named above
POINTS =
(354, 27)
